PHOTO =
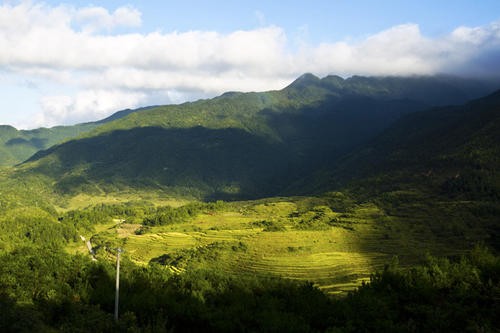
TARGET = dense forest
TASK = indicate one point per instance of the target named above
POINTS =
(44, 288)
(47, 290)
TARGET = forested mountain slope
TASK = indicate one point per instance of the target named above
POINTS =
(242, 145)
(455, 150)
(437, 167)
(17, 146)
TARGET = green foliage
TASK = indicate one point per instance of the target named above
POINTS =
(54, 291)
(17, 146)
(24, 192)
(451, 151)
(268, 225)
(142, 230)
(85, 219)
(472, 184)
(33, 226)
(45, 290)
(169, 215)
(192, 257)
(441, 295)
(241, 145)
(318, 218)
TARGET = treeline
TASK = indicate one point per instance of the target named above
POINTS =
(168, 215)
(29, 226)
(33, 227)
(103, 213)
(473, 184)
(137, 212)
(44, 290)
(442, 295)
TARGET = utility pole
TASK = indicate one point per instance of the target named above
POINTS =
(117, 294)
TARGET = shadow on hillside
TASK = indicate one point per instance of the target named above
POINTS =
(226, 163)
(319, 136)
(207, 163)
(35, 143)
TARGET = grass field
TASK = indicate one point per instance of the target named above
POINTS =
(296, 238)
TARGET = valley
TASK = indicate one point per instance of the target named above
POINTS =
(317, 239)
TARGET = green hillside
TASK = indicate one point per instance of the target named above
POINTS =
(307, 94)
(241, 145)
(239, 110)
(16, 146)
(439, 166)
(453, 150)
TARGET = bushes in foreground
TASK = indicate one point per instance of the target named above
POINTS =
(439, 296)
(44, 290)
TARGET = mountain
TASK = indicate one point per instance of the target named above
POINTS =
(437, 168)
(17, 146)
(455, 150)
(241, 145)
(431, 90)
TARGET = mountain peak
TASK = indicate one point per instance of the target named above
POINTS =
(305, 80)
(7, 127)
(333, 81)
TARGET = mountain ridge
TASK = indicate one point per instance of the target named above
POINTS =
(297, 130)
(16, 146)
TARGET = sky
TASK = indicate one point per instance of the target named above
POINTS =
(63, 63)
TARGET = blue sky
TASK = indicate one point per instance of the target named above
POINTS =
(327, 20)
(68, 62)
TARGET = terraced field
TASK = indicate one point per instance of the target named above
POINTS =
(280, 238)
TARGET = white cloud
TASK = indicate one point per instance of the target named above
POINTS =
(76, 47)
(98, 18)
(86, 105)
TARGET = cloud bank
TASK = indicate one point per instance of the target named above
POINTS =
(107, 66)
